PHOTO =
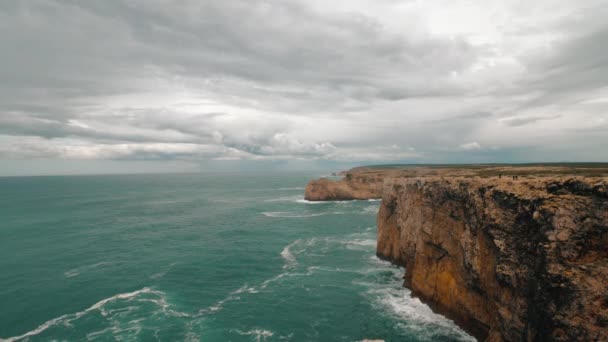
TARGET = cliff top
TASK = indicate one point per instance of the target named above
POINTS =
(485, 171)
(529, 180)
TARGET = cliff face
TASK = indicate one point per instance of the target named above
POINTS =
(351, 187)
(507, 260)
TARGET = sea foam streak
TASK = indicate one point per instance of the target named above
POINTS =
(361, 244)
(299, 199)
(231, 296)
(235, 295)
(76, 271)
(305, 201)
(290, 262)
(258, 334)
(372, 209)
(66, 319)
(286, 214)
(290, 259)
(284, 199)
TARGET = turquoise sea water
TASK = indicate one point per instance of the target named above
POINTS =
(236, 257)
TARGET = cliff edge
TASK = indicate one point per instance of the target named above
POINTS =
(353, 186)
(507, 259)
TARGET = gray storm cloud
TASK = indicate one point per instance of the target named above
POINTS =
(411, 81)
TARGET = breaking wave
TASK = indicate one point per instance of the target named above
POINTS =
(372, 209)
(284, 199)
(287, 214)
(383, 283)
(257, 335)
(290, 259)
(144, 295)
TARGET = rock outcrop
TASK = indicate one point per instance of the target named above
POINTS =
(353, 186)
(508, 261)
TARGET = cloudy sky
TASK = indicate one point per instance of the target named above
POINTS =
(155, 85)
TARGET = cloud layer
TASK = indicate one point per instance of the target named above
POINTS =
(360, 80)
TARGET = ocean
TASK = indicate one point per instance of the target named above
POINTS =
(197, 257)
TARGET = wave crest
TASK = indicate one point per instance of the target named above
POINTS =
(287, 214)
(147, 294)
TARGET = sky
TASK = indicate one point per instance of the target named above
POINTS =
(187, 86)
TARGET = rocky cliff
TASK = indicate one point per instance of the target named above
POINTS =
(507, 260)
(352, 186)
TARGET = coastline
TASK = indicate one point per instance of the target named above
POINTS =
(507, 259)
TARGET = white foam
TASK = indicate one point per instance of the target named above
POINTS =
(290, 259)
(66, 319)
(312, 241)
(305, 201)
(234, 295)
(294, 188)
(258, 334)
(285, 199)
(372, 209)
(362, 242)
(93, 335)
(272, 280)
(116, 329)
(76, 271)
(246, 289)
(217, 306)
(287, 214)
(415, 314)
(397, 301)
(309, 271)
(366, 234)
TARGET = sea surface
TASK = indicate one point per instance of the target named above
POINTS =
(209, 257)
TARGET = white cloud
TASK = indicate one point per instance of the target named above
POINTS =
(471, 146)
(356, 80)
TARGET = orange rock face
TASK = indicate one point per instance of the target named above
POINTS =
(508, 261)
(511, 253)
(353, 186)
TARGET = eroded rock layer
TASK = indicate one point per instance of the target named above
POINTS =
(507, 260)
(353, 186)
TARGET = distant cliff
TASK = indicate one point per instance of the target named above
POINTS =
(508, 260)
(352, 186)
